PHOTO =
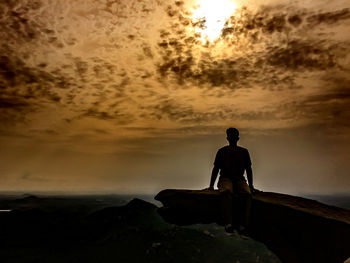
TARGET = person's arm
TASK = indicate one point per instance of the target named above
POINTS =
(250, 178)
(214, 174)
(248, 169)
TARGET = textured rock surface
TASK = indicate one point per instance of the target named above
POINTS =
(84, 230)
(296, 229)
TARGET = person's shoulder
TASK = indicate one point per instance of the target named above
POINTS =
(242, 149)
(224, 148)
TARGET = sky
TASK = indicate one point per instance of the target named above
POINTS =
(133, 96)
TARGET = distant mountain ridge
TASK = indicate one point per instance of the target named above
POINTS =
(339, 200)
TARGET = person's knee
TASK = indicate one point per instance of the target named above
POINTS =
(226, 194)
(245, 197)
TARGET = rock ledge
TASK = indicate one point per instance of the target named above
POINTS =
(295, 228)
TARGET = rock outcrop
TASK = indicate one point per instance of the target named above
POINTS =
(296, 229)
(131, 233)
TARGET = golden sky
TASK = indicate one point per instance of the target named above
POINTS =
(135, 96)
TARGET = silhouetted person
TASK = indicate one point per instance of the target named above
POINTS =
(232, 161)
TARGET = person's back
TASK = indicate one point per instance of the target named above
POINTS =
(232, 161)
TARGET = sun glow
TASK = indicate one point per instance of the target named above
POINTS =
(214, 15)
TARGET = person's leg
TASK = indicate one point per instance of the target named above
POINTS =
(225, 187)
(245, 201)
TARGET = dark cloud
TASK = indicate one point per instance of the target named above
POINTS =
(25, 23)
(147, 51)
(169, 109)
(306, 55)
(282, 19)
(328, 110)
(25, 89)
(261, 46)
(81, 67)
(209, 70)
(265, 21)
(333, 106)
(329, 18)
(103, 115)
(16, 75)
(177, 111)
(188, 116)
(12, 103)
(13, 110)
(16, 22)
(115, 117)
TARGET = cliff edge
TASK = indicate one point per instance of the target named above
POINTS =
(296, 229)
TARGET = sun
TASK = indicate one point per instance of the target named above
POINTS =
(214, 13)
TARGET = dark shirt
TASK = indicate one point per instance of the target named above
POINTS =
(232, 161)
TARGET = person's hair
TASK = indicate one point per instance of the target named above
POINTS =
(232, 132)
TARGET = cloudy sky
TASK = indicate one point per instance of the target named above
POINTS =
(135, 96)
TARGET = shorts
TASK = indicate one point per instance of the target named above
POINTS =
(235, 187)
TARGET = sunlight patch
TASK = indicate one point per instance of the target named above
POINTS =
(213, 14)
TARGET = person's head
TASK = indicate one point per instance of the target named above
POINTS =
(232, 135)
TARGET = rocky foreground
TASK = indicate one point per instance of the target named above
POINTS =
(88, 230)
(296, 229)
